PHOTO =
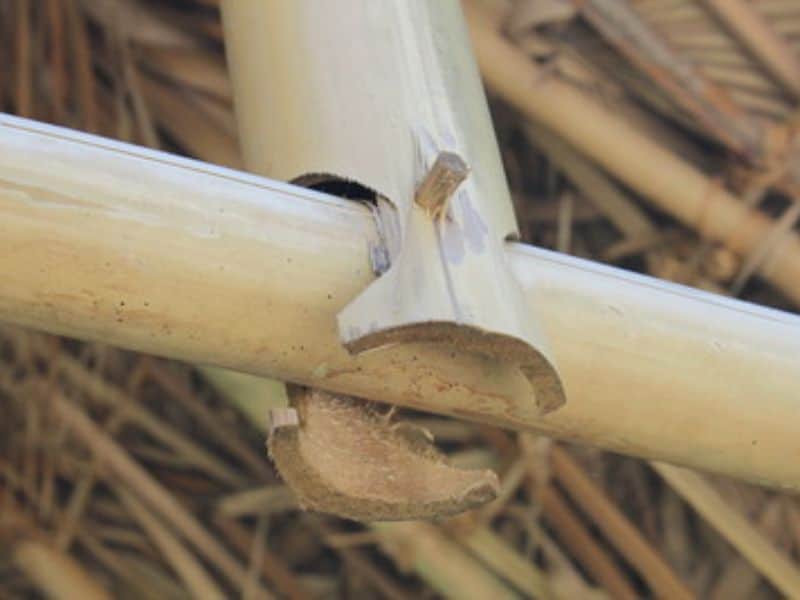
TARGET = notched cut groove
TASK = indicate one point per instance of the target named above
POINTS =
(343, 456)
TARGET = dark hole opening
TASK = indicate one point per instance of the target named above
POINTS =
(343, 188)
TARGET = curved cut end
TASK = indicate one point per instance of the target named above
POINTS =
(535, 366)
(340, 455)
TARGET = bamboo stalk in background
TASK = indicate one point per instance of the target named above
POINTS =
(121, 466)
(188, 568)
(449, 569)
(199, 133)
(363, 567)
(179, 443)
(176, 258)
(273, 568)
(612, 202)
(582, 545)
(23, 101)
(678, 77)
(734, 527)
(82, 67)
(197, 69)
(57, 62)
(616, 527)
(223, 433)
(750, 27)
(640, 162)
(55, 573)
(137, 22)
(496, 553)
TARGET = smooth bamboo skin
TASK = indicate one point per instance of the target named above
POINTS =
(640, 162)
(106, 241)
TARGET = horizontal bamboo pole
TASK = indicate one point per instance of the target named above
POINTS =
(106, 241)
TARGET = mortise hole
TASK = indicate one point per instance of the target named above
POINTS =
(336, 186)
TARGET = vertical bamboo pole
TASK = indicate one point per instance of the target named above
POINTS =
(367, 97)
(394, 135)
